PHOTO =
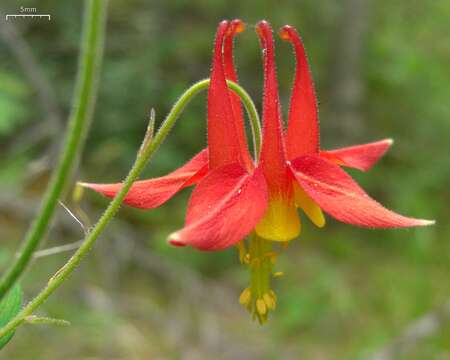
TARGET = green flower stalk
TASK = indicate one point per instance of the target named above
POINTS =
(82, 109)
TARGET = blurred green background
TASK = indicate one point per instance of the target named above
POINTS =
(382, 69)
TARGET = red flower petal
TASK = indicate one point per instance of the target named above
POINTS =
(151, 193)
(273, 153)
(361, 157)
(236, 27)
(303, 124)
(224, 207)
(223, 140)
(341, 197)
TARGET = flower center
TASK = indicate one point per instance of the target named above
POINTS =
(258, 298)
(281, 221)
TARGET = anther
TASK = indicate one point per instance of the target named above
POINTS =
(261, 306)
(245, 297)
(269, 301)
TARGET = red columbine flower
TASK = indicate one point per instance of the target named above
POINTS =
(229, 188)
(236, 196)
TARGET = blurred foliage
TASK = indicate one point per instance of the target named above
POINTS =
(14, 93)
(347, 291)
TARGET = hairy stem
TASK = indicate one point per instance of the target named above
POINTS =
(149, 146)
(253, 116)
(245, 98)
(79, 120)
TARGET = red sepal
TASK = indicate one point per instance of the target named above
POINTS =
(223, 140)
(273, 152)
(151, 193)
(303, 123)
(341, 197)
(361, 157)
(224, 207)
(236, 26)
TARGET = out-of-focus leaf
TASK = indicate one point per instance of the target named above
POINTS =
(9, 307)
(12, 85)
(13, 94)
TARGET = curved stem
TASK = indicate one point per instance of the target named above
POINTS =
(253, 116)
(149, 147)
(82, 109)
(250, 107)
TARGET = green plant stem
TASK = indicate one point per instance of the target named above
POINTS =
(79, 120)
(253, 116)
(149, 147)
(250, 107)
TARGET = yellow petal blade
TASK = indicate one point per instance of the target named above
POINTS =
(310, 208)
(280, 222)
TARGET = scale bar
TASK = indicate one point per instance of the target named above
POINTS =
(28, 15)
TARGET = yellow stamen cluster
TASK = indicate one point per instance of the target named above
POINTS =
(259, 298)
(280, 224)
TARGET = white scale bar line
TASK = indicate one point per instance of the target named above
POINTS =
(28, 15)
